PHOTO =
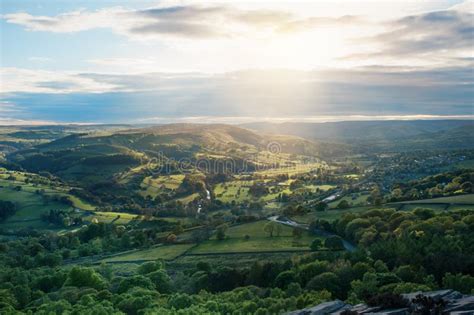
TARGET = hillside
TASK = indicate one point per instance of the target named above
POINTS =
(381, 135)
(142, 162)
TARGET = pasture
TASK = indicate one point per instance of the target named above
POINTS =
(258, 240)
(354, 200)
(111, 217)
(153, 186)
(30, 206)
(328, 215)
(165, 252)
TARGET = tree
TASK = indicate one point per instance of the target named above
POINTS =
(180, 300)
(376, 196)
(285, 278)
(85, 277)
(343, 204)
(297, 233)
(149, 267)
(273, 228)
(270, 227)
(321, 206)
(334, 243)
(459, 282)
(316, 244)
(133, 282)
(161, 280)
(467, 187)
(7, 208)
(326, 280)
(278, 229)
(309, 271)
(171, 238)
(221, 229)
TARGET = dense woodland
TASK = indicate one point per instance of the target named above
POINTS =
(398, 252)
(94, 223)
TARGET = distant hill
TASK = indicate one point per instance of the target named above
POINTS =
(185, 137)
(381, 135)
(102, 155)
(13, 138)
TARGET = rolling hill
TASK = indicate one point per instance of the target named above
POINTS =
(381, 135)
(125, 161)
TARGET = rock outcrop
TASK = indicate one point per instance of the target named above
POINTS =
(436, 302)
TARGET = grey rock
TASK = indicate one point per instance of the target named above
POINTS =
(321, 309)
(463, 304)
(456, 304)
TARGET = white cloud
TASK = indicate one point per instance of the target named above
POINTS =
(305, 119)
(217, 37)
(15, 80)
(191, 22)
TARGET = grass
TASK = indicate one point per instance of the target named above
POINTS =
(299, 168)
(468, 164)
(328, 215)
(167, 252)
(435, 207)
(258, 245)
(109, 217)
(153, 186)
(229, 191)
(259, 241)
(461, 207)
(188, 199)
(30, 205)
(52, 189)
(352, 176)
(320, 187)
(360, 200)
(186, 262)
(469, 199)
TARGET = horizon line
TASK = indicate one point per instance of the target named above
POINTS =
(237, 120)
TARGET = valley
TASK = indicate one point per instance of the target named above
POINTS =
(223, 208)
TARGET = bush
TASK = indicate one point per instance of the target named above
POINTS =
(85, 277)
(334, 243)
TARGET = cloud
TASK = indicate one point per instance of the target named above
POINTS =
(15, 80)
(430, 33)
(438, 37)
(369, 91)
(192, 22)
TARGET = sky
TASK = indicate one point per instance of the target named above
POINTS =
(108, 61)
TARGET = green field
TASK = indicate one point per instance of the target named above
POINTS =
(234, 190)
(153, 186)
(360, 200)
(328, 215)
(30, 206)
(468, 164)
(299, 168)
(435, 207)
(109, 217)
(238, 191)
(188, 199)
(167, 252)
(51, 189)
(452, 203)
(469, 199)
(259, 240)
